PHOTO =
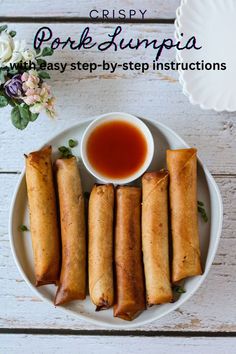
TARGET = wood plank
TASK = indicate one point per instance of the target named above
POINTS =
(81, 9)
(156, 95)
(13, 343)
(212, 308)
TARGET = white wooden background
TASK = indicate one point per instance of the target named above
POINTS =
(207, 322)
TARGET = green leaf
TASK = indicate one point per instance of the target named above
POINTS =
(47, 51)
(12, 103)
(33, 116)
(24, 112)
(65, 152)
(41, 62)
(13, 71)
(200, 203)
(37, 50)
(43, 75)
(23, 228)
(12, 33)
(72, 143)
(2, 76)
(17, 120)
(3, 28)
(3, 101)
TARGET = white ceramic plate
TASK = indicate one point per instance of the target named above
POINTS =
(208, 192)
(213, 23)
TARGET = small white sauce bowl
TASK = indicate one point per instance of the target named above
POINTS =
(117, 116)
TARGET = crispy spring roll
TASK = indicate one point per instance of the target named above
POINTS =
(130, 290)
(72, 285)
(155, 237)
(101, 207)
(182, 166)
(43, 216)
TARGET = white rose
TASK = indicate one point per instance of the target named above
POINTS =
(6, 48)
(17, 54)
(29, 55)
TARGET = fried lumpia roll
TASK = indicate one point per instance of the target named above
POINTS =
(130, 289)
(72, 285)
(101, 208)
(182, 166)
(43, 216)
(155, 237)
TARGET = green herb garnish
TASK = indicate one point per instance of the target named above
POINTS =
(23, 228)
(179, 289)
(65, 152)
(202, 211)
(72, 143)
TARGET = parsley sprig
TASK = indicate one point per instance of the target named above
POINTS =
(66, 150)
(202, 211)
(23, 228)
(72, 143)
(179, 289)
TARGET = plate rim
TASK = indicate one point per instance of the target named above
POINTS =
(180, 301)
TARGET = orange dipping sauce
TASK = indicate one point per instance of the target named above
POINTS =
(116, 149)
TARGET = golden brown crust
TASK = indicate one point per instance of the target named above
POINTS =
(155, 237)
(43, 216)
(182, 166)
(72, 285)
(101, 208)
(130, 291)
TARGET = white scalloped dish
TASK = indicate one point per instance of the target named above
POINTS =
(213, 23)
(164, 138)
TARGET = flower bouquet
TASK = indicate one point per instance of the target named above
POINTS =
(21, 83)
